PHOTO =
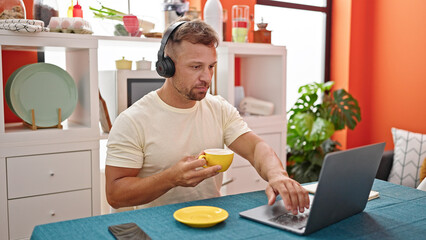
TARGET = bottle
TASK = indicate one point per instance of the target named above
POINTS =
(77, 11)
(213, 15)
(70, 10)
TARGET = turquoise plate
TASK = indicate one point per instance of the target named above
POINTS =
(45, 88)
(7, 88)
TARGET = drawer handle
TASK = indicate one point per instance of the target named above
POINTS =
(52, 173)
(52, 213)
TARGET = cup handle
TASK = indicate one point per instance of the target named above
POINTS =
(203, 156)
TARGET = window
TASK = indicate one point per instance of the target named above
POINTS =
(303, 27)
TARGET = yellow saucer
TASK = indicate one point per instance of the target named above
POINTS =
(201, 216)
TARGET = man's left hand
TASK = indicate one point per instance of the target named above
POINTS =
(295, 197)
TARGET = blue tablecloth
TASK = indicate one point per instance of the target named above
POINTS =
(399, 213)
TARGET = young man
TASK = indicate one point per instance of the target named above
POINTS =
(153, 146)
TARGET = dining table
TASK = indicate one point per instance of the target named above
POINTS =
(398, 213)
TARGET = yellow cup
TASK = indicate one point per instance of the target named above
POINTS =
(218, 156)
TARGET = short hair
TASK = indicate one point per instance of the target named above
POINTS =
(194, 31)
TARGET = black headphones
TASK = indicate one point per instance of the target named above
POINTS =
(165, 66)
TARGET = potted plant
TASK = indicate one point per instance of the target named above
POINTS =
(311, 124)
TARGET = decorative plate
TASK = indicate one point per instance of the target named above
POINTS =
(45, 88)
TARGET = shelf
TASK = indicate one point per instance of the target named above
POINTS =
(262, 68)
(243, 49)
(79, 58)
(134, 49)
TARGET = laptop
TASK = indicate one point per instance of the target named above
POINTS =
(344, 185)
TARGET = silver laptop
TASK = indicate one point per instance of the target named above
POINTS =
(344, 184)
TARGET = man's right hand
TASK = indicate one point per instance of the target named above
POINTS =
(124, 188)
(188, 172)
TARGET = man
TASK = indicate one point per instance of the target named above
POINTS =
(153, 146)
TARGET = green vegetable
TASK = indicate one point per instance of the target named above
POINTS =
(108, 13)
(120, 30)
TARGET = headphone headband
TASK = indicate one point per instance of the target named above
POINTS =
(166, 37)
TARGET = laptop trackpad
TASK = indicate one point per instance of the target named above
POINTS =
(287, 219)
(278, 216)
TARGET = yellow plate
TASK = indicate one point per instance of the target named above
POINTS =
(201, 216)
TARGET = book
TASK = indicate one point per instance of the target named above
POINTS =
(311, 188)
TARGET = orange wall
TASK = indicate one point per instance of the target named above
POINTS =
(379, 56)
(12, 60)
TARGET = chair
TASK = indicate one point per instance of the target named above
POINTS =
(385, 165)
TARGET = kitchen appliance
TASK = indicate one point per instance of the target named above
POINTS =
(262, 35)
(121, 88)
(173, 9)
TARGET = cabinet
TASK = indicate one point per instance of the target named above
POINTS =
(263, 76)
(49, 175)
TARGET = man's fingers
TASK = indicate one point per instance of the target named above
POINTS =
(294, 199)
(291, 196)
(305, 195)
(302, 196)
(195, 163)
(270, 193)
(285, 195)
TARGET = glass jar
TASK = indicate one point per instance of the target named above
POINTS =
(44, 10)
(12, 9)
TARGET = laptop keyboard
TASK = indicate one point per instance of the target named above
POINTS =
(298, 221)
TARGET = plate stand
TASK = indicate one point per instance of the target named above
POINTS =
(34, 127)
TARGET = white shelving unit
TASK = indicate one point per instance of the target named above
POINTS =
(263, 76)
(50, 175)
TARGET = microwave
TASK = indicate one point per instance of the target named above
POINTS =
(121, 88)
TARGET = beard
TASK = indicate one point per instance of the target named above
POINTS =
(192, 94)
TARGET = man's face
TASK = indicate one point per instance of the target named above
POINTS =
(194, 65)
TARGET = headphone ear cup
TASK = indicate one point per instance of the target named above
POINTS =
(169, 67)
(159, 66)
(165, 67)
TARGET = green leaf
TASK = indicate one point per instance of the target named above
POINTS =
(328, 85)
(303, 104)
(321, 130)
(346, 111)
(292, 137)
(303, 123)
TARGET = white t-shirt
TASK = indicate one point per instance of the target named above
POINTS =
(153, 136)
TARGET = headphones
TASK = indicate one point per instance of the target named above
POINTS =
(165, 66)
